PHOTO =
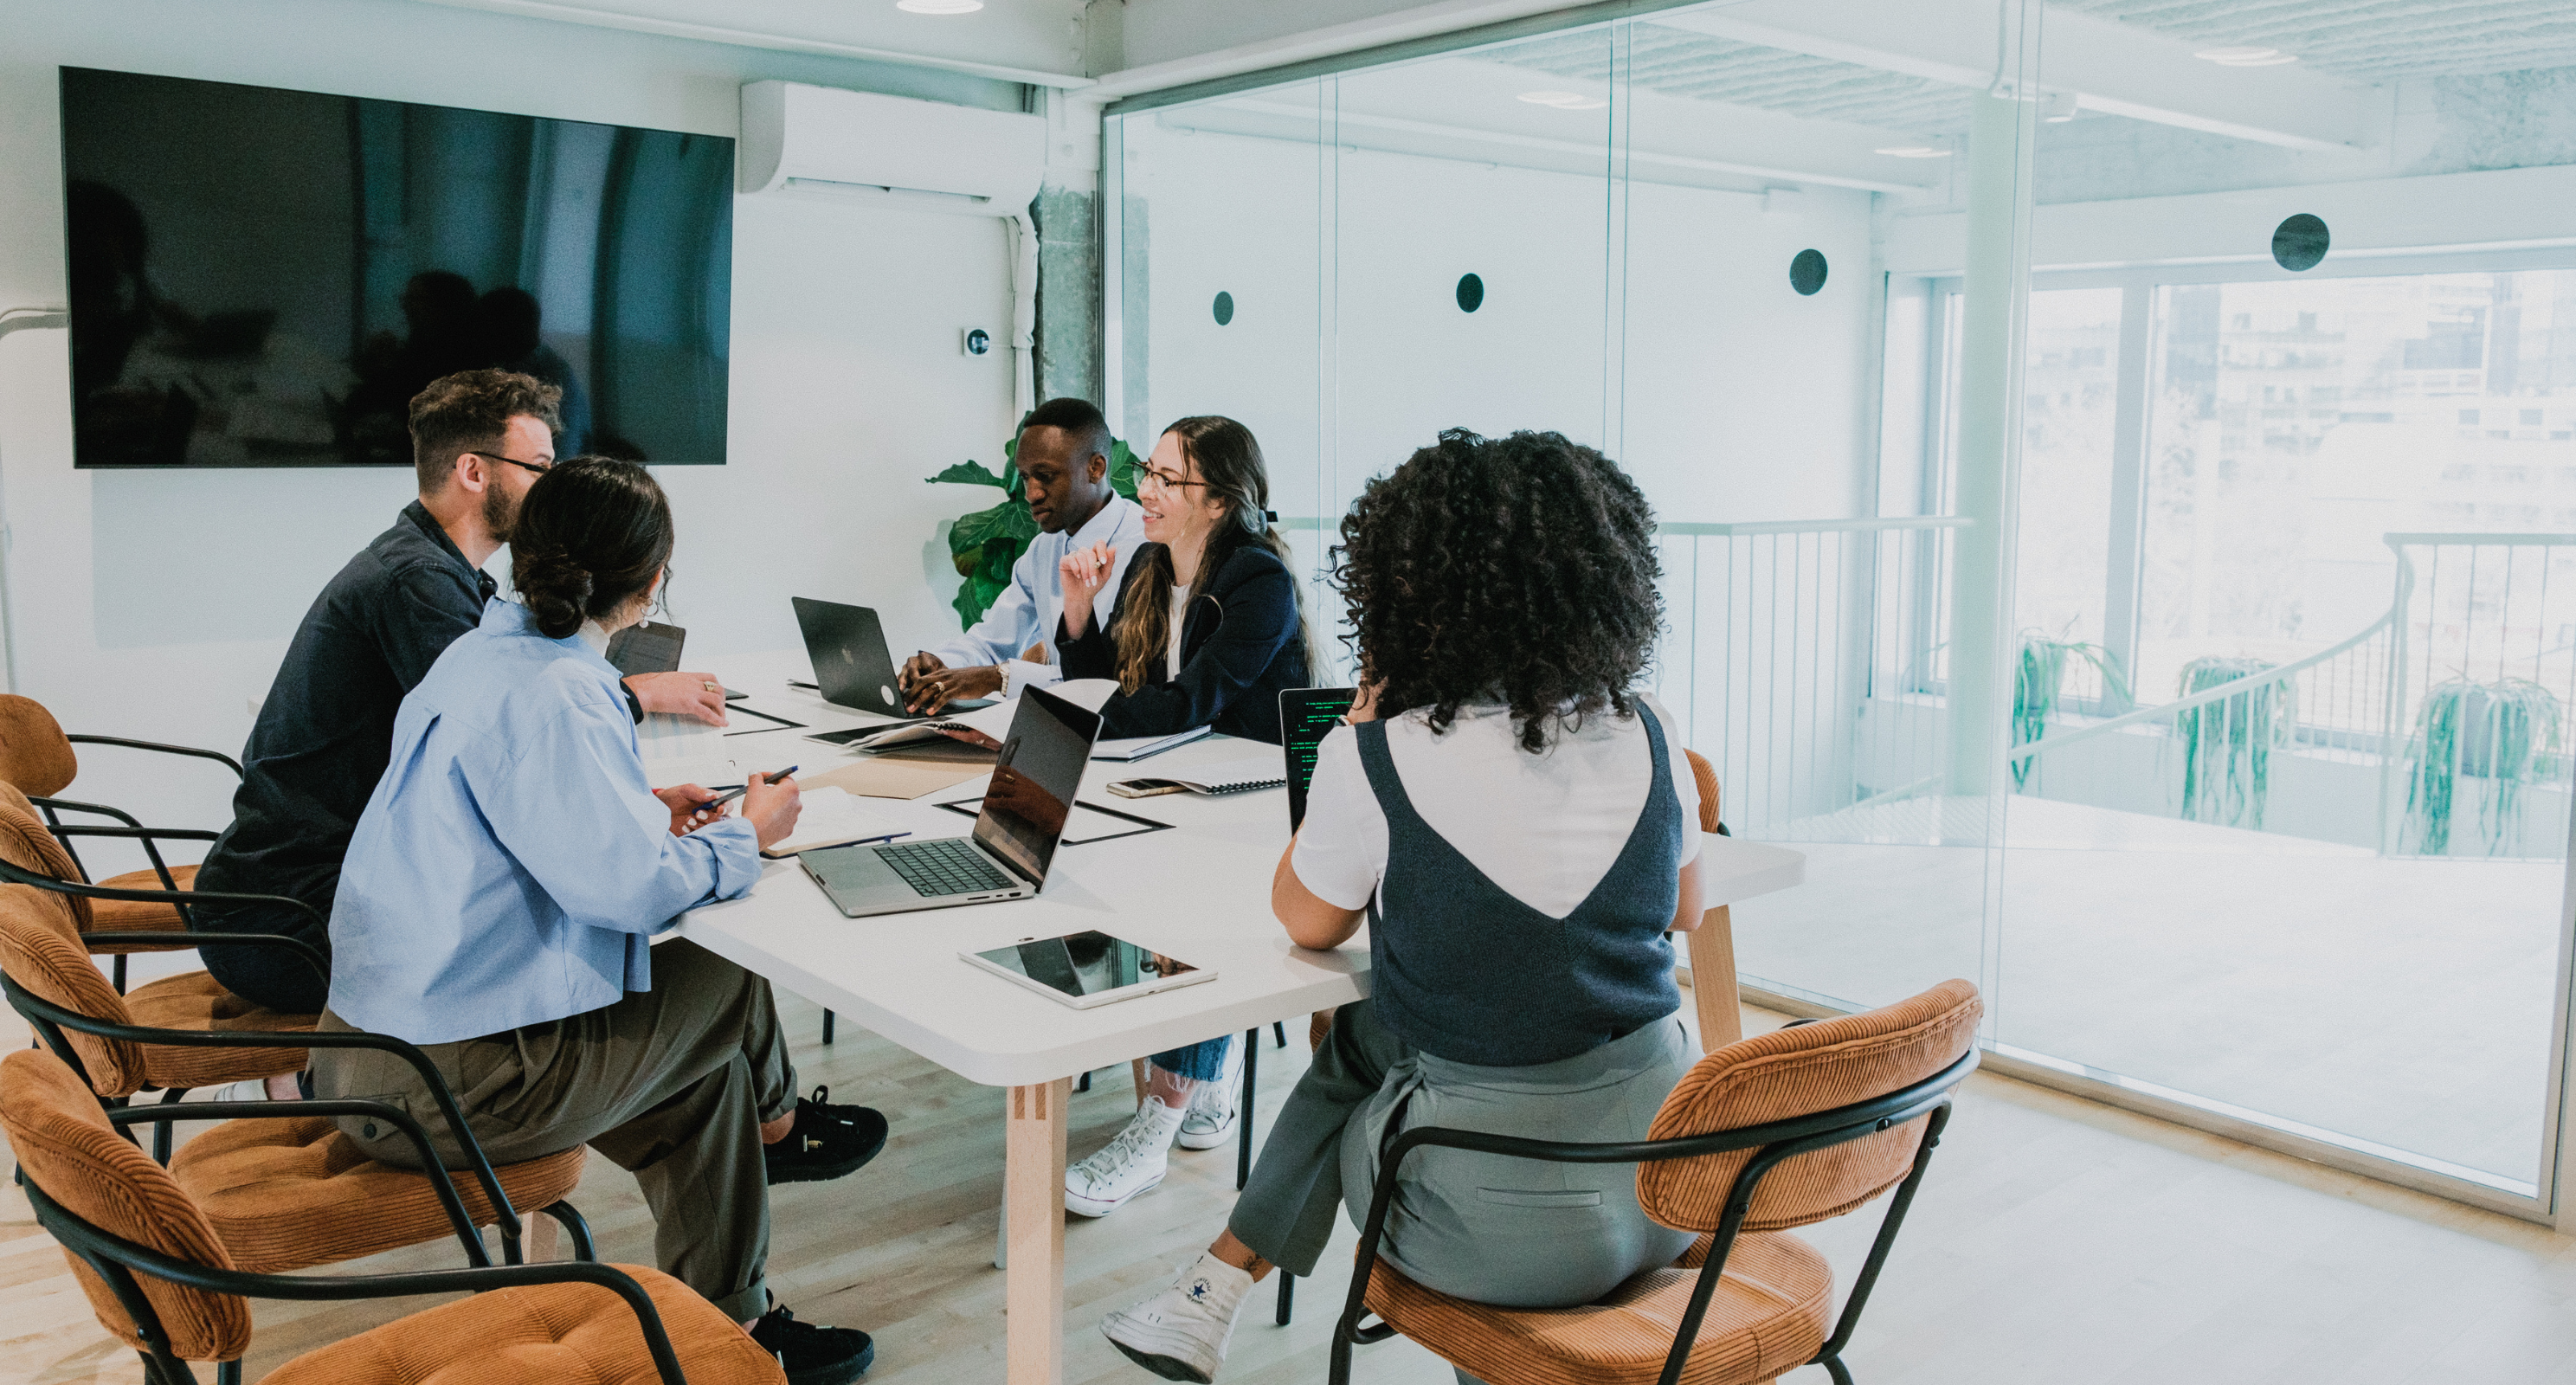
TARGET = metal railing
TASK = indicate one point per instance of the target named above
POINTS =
(2437, 729)
(1804, 659)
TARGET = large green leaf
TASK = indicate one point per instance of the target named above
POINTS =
(972, 473)
(1123, 469)
(1008, 520)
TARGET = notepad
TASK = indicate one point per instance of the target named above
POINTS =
(832, 817)
(1231, 776)
(1128, 748)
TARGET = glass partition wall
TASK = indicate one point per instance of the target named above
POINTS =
(2115, 467)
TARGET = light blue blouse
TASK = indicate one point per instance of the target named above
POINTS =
(513, 861)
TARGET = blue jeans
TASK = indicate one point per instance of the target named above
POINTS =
(1198, 1062)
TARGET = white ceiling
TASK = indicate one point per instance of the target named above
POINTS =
(2371, 40)
(1679, 63)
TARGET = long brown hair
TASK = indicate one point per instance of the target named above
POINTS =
(1228, 460)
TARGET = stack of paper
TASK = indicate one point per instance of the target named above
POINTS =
(833, 817)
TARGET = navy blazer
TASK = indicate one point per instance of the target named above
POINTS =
(1241, 646)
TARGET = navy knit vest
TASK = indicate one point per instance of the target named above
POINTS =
(1463, 970)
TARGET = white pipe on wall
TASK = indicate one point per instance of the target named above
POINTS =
(17, 320)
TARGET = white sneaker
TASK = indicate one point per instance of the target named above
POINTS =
(1132, 1163)
(1181, 1333)
(1210, 1120)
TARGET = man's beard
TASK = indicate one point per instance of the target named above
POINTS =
(500, 513)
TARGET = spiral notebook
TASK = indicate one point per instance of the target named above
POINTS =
(1231, 776)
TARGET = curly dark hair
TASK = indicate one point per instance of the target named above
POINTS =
(1519, 570)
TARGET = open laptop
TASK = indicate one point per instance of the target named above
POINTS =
(852, 665)
(652, 647)
(1306, 716)
(1035, 776)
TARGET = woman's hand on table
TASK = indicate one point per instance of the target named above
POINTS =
(689, 807)
(772, 809)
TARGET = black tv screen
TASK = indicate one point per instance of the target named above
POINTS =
(266, 278)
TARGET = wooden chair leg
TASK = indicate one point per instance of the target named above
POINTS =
(1137, 1066)
(828, 1017)
(1279, 1031)
(538, 1236)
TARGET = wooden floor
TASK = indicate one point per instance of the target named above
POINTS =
(2055, 1241)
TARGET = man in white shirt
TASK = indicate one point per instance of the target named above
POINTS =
(1063, 461)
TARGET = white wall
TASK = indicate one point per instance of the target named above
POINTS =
(157, 604)
(1727, 395)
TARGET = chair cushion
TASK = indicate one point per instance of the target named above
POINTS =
(1770, 1313)
(41, 953)
(66, 1147)
(541, 1336)
(1796, 1072)
(293, 1192)
(198, 1001)
(35, 755)
(27, 844)
(133, 915)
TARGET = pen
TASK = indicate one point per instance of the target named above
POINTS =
(724, 799)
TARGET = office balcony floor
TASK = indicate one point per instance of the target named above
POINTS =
(2402, 1002)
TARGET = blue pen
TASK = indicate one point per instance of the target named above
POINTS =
(746, 788)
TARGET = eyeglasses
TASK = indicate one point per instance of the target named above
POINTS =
(540, 468)
(1163, 481)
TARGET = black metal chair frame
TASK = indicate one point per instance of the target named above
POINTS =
(1773, 1143)
(169, 893)
(116, 1260)
(51, 806)
(51, 1019)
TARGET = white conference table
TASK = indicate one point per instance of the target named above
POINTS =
(1199, 892)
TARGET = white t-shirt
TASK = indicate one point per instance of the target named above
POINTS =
(1544, 828)
(1180, 605)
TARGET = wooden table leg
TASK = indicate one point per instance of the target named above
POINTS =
(1712, 962)
(1033, 1218)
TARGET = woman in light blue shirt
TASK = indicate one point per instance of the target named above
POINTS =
(500, 896)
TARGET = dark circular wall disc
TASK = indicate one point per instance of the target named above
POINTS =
(1807, 271)
(2300, 243)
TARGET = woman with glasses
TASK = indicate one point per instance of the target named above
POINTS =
(1209, 628)
(1208, 631)
(1516, 824)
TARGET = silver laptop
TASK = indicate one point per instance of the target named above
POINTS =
(1035, 777)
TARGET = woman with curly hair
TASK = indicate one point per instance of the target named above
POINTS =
(1518, 827)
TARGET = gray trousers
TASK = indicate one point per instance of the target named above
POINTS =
(671, 1084)
(1511, 1232)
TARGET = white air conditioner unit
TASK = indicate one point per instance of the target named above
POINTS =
(860, 145)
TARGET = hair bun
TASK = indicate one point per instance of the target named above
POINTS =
(556, 589)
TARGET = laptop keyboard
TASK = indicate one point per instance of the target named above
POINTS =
(949, 865)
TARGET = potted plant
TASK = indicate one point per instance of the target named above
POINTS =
(2227, 744)
(985, 543)
(2495, 731)
(2041, 678)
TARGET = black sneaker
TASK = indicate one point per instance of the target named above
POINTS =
(826, 1142)
(813, 1355)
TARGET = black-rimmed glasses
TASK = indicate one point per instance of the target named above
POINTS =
(540, 468)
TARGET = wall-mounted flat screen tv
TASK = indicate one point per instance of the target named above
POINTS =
(266, 278)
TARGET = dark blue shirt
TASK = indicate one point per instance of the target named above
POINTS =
(326, 731)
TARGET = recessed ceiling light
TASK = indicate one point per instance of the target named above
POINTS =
(939, 6)
(1916, 151)
(2246, 56)
(1564, 100)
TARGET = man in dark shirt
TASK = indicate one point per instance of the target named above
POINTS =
(480, 438)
